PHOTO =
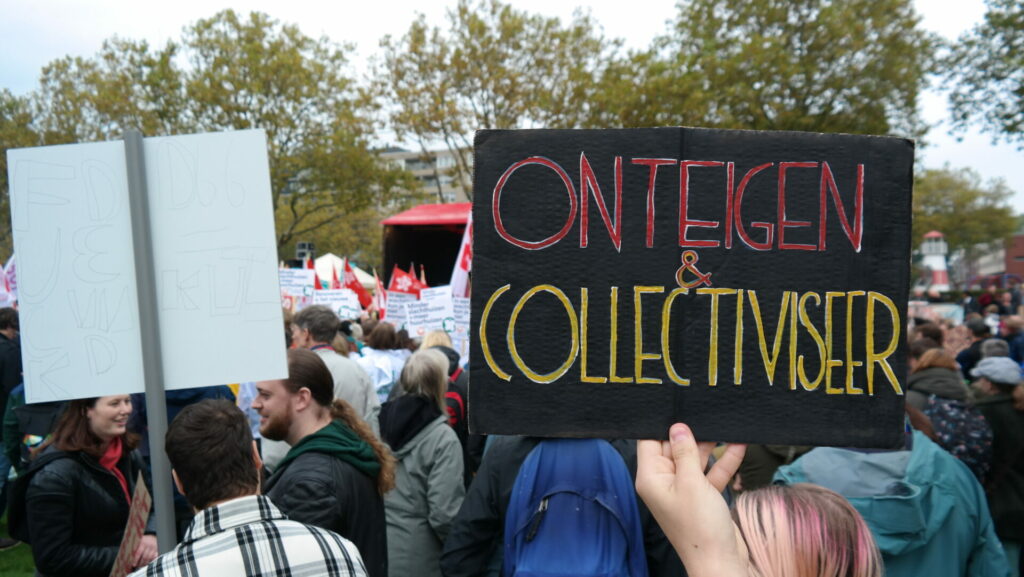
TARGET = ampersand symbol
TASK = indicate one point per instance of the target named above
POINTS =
(690, 259)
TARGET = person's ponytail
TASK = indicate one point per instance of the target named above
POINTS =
(344, 412)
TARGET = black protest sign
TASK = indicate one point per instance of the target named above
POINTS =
(750, 284)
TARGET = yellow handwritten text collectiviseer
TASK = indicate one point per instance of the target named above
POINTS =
(801, 315)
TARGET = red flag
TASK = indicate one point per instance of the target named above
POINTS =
(316, 277)
(352, 282)
(418, 284)
(403, 282)
(335, 283)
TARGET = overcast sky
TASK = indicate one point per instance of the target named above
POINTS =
(33, 33)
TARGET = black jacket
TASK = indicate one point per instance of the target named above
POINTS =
(326, 492)
(10, 368)
(969, 357)
(1005, 483)
(479, 527)
(77, 512)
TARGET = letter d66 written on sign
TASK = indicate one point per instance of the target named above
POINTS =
(750, 284)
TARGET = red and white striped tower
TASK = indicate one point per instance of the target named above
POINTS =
(934, 249)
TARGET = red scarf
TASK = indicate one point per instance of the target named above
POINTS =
(109, 462)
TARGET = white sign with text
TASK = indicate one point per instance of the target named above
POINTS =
(434, 311)
(344, 302)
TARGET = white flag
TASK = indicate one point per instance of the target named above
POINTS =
(464, 264)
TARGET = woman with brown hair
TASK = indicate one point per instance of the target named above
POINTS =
(934, 372)
(80, 491)
(935, 389)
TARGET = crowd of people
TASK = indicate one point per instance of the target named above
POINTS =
(360, 462)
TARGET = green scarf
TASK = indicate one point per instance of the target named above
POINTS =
(340, 442)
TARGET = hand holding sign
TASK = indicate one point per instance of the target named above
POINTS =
(136, 549)
(688, 504)
(145, 552)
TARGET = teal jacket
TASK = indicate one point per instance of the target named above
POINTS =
(927, 512)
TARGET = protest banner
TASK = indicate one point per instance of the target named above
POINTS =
(79, 328)
(751, 284)
(439, 295)
(400, 298)
(297, 288)
(141, 263)
(398, 316)
(213, 253)
(344, 302)
(936, 311)
(460, 338)
(433, 312)
(138, 516)
(396, 312)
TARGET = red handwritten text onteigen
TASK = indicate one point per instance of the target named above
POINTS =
(731, 229)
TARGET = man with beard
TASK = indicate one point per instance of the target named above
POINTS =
(336, 472)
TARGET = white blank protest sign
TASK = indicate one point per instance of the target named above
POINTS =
(214, 254)
(215, 258)
(76, 272)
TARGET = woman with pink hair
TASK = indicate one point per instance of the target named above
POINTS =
(781, 531)
(805, 530)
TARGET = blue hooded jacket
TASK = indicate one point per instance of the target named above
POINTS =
(926, 510)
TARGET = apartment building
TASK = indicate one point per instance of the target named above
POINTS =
(433, 169)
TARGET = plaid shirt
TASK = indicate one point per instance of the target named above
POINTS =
(250, 536)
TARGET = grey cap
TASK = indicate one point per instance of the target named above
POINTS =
(1001, 370)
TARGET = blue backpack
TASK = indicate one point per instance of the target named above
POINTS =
(573, 512)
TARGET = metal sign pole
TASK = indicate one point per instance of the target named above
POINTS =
(152, 363)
